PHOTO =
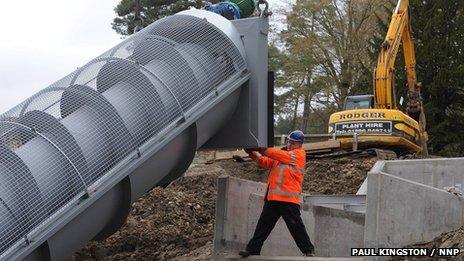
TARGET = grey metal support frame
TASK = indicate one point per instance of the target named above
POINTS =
(250, 118)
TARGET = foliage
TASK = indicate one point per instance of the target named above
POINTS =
(150, 11)
(439, 31)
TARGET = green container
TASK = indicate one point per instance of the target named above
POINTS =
(247, 7)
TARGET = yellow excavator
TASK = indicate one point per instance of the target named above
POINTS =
(374, 121)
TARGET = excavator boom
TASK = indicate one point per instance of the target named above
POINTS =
(397, 131)
(398, 32)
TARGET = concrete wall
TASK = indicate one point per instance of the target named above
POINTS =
(401, 212)
(231, 231)
(437, 173)
(239, 206)
(337, 231)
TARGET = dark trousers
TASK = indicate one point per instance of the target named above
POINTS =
(272, 211)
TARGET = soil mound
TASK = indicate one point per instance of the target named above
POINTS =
(177, 222)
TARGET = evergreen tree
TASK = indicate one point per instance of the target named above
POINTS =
(438, 30)
(150, 11)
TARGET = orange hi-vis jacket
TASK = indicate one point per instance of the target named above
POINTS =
(286, 174)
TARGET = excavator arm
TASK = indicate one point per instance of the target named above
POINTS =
(384, 91)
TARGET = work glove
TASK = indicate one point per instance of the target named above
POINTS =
(250, 150)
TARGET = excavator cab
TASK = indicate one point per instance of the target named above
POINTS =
(359, 102)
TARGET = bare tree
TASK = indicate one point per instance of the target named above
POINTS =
(328, 42)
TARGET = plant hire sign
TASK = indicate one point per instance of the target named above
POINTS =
(372, 123)
(360, 127)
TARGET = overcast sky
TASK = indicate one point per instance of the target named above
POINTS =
(42, 41)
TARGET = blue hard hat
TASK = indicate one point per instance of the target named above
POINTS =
(296, 136)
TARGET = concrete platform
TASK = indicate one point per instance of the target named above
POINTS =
(288, 258)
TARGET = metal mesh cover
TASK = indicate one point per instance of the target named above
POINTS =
(60, 141)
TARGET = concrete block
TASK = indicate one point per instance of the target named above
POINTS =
(359, 208)
(401, 212)
(337, 231)
(334, 199)
(230, 233)
(437, 173)
(239, 206)
(404, 207)
(363, 189)
(378, 167)
(351, 203)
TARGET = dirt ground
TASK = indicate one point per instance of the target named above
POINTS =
(177, 222)
(453, 239)
(325, 176)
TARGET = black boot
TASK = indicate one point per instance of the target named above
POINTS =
(309, 253)
(244, 253)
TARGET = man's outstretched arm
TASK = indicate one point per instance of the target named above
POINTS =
(263, 161)
(282, 156)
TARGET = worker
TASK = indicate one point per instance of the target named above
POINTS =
(283, 195)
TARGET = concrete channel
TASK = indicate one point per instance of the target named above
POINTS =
(399, 204)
